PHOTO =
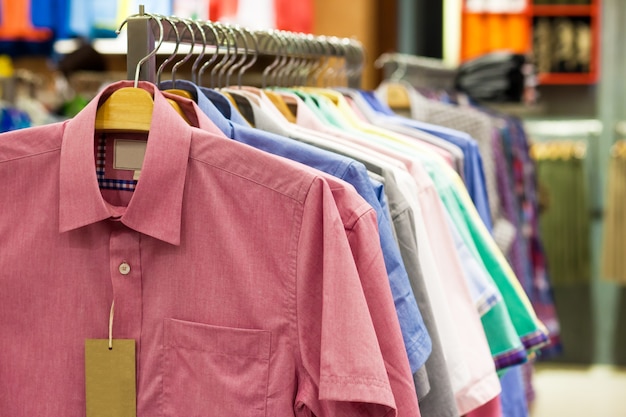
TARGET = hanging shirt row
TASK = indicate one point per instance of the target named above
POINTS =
(299, 251)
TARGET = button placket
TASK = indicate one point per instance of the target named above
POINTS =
(125, 270)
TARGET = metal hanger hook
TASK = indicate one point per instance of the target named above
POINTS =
(187, 24)
(272, 37)
(244, 56)
(255, 56)
(173, 54)
(196, 62)
(217, 69)
(154, 51)
(218, 41)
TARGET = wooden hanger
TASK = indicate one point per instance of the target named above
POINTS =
(182, 93)
(129, 109)
(398, 96)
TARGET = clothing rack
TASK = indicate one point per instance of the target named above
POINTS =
(294, 49)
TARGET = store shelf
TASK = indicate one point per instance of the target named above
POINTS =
(568, 78)
(484, 33)
(562, 10)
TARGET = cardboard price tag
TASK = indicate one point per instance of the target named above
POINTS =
(110, 383)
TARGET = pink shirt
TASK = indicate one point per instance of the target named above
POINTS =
(243, 296)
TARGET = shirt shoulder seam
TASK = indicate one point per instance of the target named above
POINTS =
(296, 195)
(30, 155)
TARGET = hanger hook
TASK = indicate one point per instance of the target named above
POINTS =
(324, 61)
(272, 38)
(320, 77)
(335, 78)
(287, 57)
(196, 62)
(331, 75)
(357, 69)
(307, 48)
(154, 51)
(342, 73)
(309, 53)
(356, 65)
(400, 71)
(284, 58)
(244, 57)
(294, 58)
(173, 54)
(217, 69)
(319, 63)
(189, 28)
(232, 58)
(302, 59)
(255, 56)
(215, 55)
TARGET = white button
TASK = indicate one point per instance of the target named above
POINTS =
(124, 268)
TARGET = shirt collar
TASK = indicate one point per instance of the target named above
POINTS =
(224, 106)
(196, 117)
(203, 102)
(156, 206)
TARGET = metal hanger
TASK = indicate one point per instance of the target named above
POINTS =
(272, 38)
(226, 57)
(232, 58)
(173, 54)
(189, 28)
(196, 62)
(129, 109)
(291, 76)
(326, 70)
(318, 64)
(300, 58)
(218, 41)
(355, 70)
(284, 58)
(341, 78)
(244, 55)
(309, 60)
(313, 54)
(255, 56)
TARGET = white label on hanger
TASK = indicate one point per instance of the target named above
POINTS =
(129, 154)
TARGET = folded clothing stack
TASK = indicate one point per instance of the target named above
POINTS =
(495, 77)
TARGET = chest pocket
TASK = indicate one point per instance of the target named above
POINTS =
(214, 371)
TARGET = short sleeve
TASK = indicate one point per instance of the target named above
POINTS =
(379, 290)
(341, 369)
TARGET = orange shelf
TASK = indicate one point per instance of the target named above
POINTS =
(562, 10)
(568, 78)
(483, 33)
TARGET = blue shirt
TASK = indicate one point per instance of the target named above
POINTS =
(473, 172)
(416, 338)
